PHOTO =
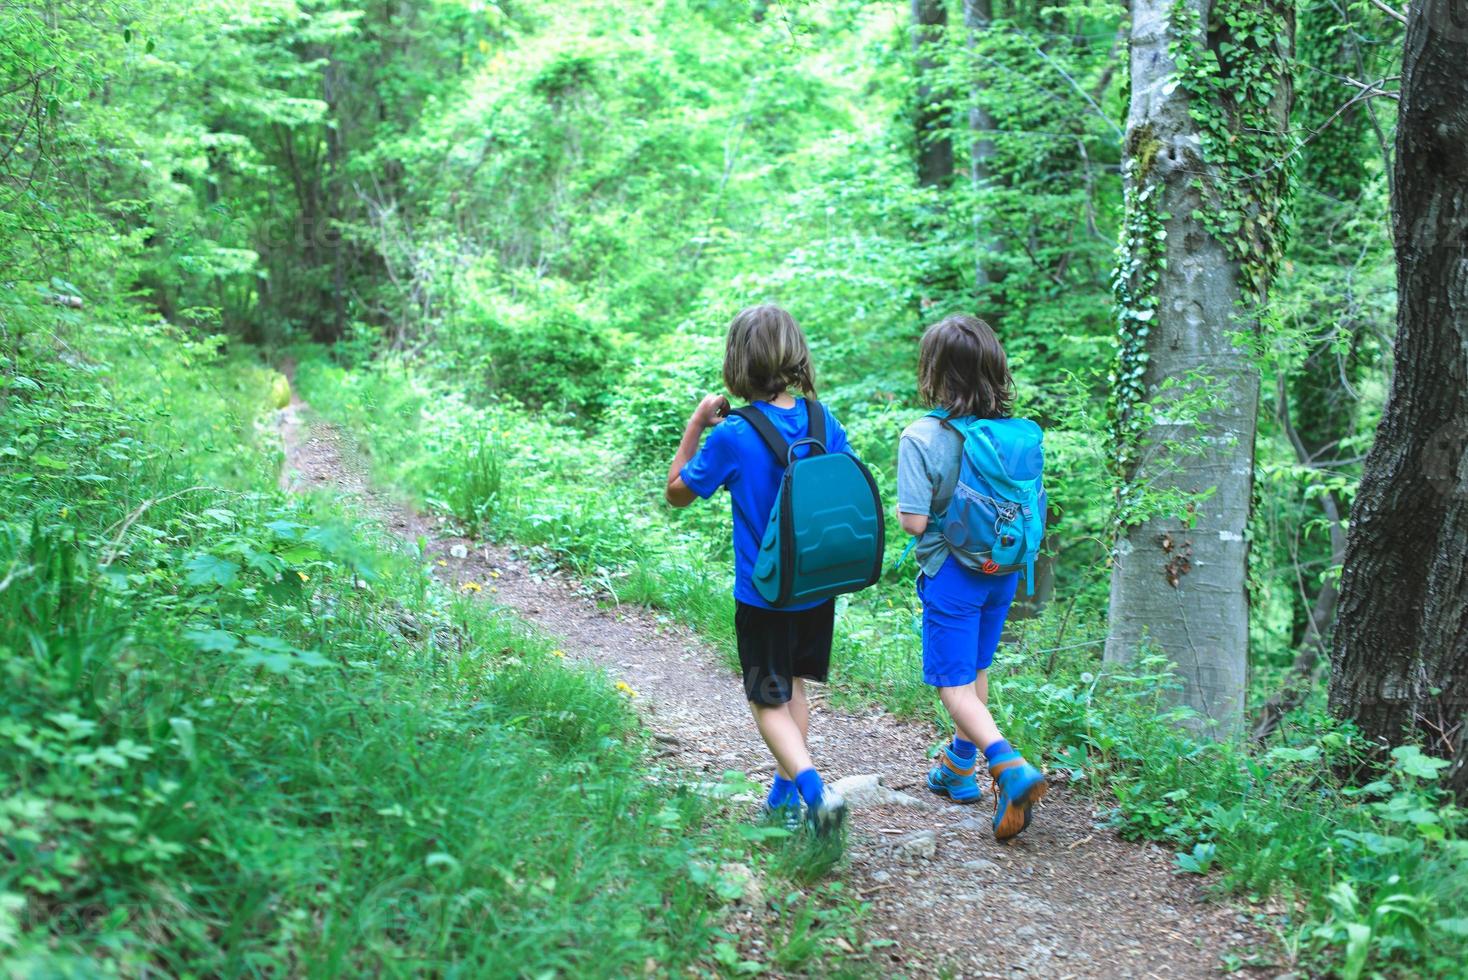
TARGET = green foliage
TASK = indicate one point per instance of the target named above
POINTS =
(1272, 823)
(1273, 826)
(519, 232)
(1238, 82)
(238, 731)
(557, 357)
(663, 384)
(472, 476)
(1140, 258)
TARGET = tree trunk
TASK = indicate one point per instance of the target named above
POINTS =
(1179, 581)
(931, 118)
(1400, 657)
(330, 232)
(977, 15)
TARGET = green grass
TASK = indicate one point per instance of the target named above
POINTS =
(1353, 881)
(242, 737)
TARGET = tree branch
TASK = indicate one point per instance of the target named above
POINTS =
(1391, 12)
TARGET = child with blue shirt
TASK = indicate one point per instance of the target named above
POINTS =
(765, 357)
(963, 370)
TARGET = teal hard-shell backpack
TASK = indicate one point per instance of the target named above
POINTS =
(997, 515)
(825, 534)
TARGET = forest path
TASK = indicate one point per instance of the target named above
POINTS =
(1066, 899)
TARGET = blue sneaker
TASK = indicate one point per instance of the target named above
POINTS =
(954, 778)
(827, 816)
(1017, 787)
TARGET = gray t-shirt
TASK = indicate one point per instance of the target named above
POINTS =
(927, 471)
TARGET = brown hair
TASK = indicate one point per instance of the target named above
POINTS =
(765, 353)
(962, 368)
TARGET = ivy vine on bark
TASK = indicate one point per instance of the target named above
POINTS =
(1141, 257)
(1233, 83)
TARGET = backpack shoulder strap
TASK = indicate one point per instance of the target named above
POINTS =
(941, 414)
(815, 419)
(761, 423)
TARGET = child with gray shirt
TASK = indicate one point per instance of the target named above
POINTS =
(962, 370)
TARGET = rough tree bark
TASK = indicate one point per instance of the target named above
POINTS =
(1179, 581)
(930, 119)
(1400, 657)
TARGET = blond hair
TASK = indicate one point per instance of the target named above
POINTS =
(765, 353)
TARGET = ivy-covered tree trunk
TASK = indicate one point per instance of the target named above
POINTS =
(1400, 658)
(930, 117)
(1204, 183)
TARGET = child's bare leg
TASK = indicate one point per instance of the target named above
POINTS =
(980, 687)
(800, 710)
(782, 733)
(970, 715)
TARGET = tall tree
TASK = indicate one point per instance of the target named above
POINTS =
(931, 116)
(1205, 183)
(977, 15)
(1400, 657)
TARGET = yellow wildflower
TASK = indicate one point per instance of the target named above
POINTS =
(626, 689)
(304, 576)
(441, 563)
(471, 587)
(559, 653)
(494, 574)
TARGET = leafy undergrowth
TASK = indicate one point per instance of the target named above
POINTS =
(239, 737)
(515, 475)
(1355, 881)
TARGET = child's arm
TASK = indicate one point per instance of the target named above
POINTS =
(914, 524)
(709, 413)
(914, 487)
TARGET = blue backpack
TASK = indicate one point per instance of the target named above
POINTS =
(997, 515)
(825, 534)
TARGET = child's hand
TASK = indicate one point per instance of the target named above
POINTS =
(711, 411)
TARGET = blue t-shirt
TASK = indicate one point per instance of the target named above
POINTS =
(736, 458)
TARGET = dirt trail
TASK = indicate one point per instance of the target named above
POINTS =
(1066, 899)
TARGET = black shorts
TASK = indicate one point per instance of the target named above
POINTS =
(776, 646)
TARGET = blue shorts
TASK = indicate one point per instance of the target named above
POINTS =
(963, 614)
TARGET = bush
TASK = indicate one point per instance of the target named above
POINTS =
(660, 391)
(546, 351)
(469, 477)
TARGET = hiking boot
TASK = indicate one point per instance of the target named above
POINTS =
(954, 778)
(827, 817)
(1017, 787)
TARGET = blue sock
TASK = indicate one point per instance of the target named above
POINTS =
(998, 750)
(810, 786)
(963, 750)
(782, 793)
